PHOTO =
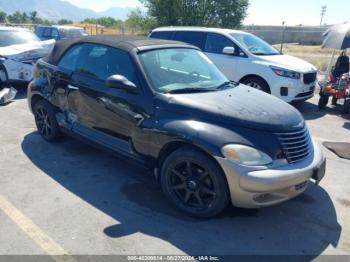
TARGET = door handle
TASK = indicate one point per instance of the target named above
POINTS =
(71, 87)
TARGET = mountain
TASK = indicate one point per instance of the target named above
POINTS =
(57, 9)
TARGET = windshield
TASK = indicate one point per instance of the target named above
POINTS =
(176, 70)
(255, 45)
(15, 37)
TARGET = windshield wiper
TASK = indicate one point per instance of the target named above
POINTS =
(188, 90)
(227, 84)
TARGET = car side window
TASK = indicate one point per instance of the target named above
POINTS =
(39, 31)
(69, 59)
(162, 35)
(47, 33)
(193, 38)
(216, 43)
(101, 62)
(54, 34)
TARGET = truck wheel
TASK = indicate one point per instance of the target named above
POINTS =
(46, 122)
(258, 83)
(323, 101)
(194, 183)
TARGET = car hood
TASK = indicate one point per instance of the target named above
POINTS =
(27, 51)
(240, 106)
(288, 62)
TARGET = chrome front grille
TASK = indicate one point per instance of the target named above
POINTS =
(296, 145)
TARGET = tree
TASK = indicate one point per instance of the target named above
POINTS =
(90, 21)
(3, 16)
(139, 20)
(33, 16)
(64, 22)
(223, 13)
(15, 18)
(106, 21)
(25, 18)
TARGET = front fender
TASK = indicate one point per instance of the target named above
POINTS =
(18, 71)
(209, 137)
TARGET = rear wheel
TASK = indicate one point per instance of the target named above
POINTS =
(334, 100)
(258, 83)
(194, 183)
(45, 120)
(323, 101)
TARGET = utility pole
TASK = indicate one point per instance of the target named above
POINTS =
(323, 13)
(282, 38)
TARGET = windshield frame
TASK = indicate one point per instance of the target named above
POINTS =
(144, 70)
(21, 32)
(236, 36)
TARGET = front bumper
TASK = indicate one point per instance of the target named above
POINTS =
(18, 71)
(297, 90)
(252, 187)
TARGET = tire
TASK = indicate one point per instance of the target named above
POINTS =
(323, 101)
(46, 122)
(3, 83)
(346, 106)
(200, 190)
(258, 83)
(334, 100)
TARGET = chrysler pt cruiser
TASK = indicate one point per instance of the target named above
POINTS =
(165, 105)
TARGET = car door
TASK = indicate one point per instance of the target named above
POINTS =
(60, 78)
(214, 45)
(108, 115)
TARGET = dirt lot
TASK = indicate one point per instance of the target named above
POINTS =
(315, 55)
(71, 198)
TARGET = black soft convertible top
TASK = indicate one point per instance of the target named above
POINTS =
(126, 43)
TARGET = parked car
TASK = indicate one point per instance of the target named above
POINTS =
(19, 50)
(59, 32)
(245, 58)
(165, 105)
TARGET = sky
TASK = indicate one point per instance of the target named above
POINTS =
(261, 12)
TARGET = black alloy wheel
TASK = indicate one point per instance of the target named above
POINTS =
(194, 183)
(46, 122)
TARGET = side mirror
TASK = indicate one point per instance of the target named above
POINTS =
(121, 82)
(229, 50)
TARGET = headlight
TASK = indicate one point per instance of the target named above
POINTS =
(246, 155)
(285, 72)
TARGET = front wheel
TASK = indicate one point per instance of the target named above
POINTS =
(194, 183)
(323, 101)
(257, 83)
(45, 120)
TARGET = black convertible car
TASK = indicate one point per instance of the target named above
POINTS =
(165, 105)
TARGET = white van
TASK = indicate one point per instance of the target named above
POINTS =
(246, 58)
